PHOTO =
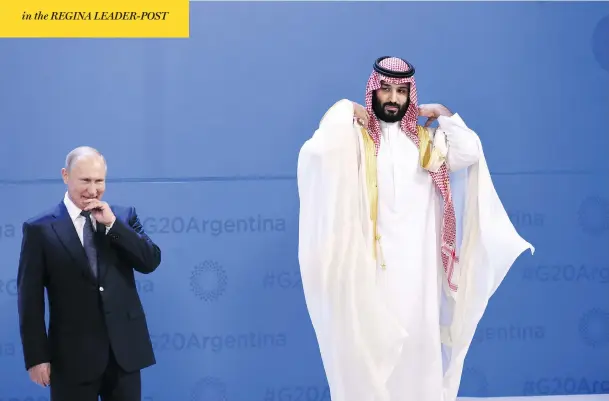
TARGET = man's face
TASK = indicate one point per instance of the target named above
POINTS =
(86, 180)
(391, 101)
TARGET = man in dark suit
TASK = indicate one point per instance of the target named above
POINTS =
(84, 252)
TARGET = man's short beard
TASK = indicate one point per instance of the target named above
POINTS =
(379, 110)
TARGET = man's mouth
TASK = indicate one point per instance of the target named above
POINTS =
(391, 109)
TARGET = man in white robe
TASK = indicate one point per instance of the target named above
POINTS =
(394, 279)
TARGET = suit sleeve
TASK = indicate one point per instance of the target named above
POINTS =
(131, 239)
(30, 291)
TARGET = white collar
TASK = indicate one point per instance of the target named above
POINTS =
(73, 210)
(389, 130)
(385, 125)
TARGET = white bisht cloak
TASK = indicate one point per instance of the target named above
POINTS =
(359, 340)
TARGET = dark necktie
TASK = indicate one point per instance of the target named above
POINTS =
(88, 237)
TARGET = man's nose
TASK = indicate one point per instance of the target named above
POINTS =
(394, 97)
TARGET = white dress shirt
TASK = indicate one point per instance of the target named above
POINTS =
(77, 219)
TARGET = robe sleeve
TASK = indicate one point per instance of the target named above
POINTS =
(340, 115)
(490, 245)
(457, 141)
(359, 341)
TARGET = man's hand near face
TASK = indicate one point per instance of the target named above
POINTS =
(101, 212)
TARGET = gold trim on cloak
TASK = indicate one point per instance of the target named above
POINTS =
(428, 156)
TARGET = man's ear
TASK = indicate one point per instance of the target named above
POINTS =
(64, 175)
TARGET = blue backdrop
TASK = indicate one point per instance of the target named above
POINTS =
(202, 136)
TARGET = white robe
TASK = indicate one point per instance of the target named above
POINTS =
(381, 331)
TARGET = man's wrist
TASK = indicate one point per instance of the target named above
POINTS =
(110, 225)
(446, 111)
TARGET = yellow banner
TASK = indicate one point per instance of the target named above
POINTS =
(94, 19)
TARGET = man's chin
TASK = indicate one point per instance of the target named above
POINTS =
(389, 118)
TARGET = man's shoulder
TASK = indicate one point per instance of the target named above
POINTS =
(430, 130)
(42, 218)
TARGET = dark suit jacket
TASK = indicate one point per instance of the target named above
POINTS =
(87, 316)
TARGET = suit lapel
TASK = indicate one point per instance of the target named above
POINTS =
(66, 232)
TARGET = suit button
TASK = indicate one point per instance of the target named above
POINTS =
(101, 289)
